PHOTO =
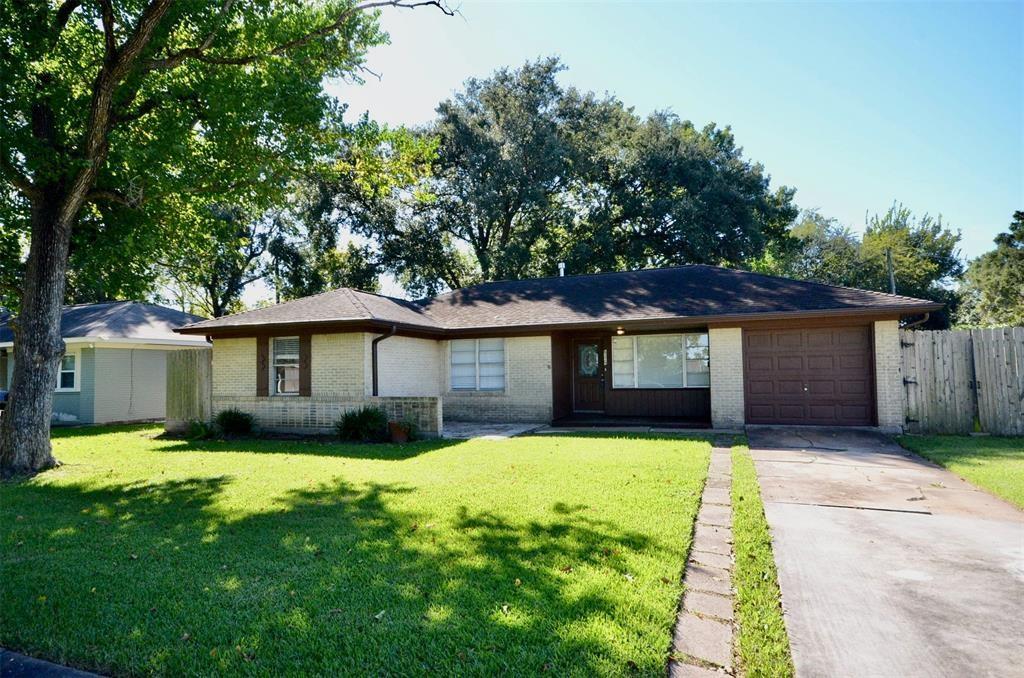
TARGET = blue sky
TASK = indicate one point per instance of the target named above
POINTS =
(853, 104)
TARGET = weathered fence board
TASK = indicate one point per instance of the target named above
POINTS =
(189, 388)
(961, 380)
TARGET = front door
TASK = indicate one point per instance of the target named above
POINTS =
(588, 375)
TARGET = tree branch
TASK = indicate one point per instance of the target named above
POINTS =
(110, 195)
(60, 20)
(109, 39)
(18, 179)
(199, 52)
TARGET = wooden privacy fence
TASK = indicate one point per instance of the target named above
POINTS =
(189, 388)
(955, 378)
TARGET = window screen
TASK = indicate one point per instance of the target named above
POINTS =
(478, 364)
(285, 367)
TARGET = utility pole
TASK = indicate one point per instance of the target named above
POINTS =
(888, 266)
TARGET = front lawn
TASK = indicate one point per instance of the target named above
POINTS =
(548, 553)
(762, 643)
(992, 462)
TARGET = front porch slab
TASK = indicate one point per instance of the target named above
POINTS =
(467, 430)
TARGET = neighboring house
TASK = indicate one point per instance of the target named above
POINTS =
(692, 345)
(114, 365)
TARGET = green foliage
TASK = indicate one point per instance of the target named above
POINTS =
(199, 430)
(528, 173)
(284, 557)
(925, 257)
(994, 463)
(993, 289)
(762, 644)
(232, 422)
(366, 424)
(224, 107)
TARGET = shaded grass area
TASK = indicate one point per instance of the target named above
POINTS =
(547, 553)
(994, 463)
(762, 643)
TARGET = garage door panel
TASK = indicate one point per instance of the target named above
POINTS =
(821, 387)
(789, 387)
(760, 363)
(821, 362)
(788, 340)
(791, 363)
(822, 376)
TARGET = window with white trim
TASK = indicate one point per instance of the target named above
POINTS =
(284, 367)
(661, 361)
(67, 374)
(478, 364)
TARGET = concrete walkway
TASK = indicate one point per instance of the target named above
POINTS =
(888, 564)
(467, 430)
(14, 665)
(702, 639)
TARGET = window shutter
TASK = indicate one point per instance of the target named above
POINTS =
(305, 373)
(262, 366)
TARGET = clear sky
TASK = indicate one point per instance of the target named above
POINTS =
(856, 105)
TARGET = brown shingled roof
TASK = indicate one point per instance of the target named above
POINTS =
(694, 292)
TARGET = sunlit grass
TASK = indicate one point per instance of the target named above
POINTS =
(993, 463)
(762, 644)
(550, 553)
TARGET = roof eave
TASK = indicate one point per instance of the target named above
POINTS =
(253, 329)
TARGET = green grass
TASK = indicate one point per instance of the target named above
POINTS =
(993, 463)
(548, 553)
(763, 644)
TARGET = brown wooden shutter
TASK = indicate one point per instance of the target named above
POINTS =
(305, 358)
(262, 366)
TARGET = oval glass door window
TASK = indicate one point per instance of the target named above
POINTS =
(589, 360)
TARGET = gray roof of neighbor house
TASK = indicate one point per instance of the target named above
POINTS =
(119, 321)
(695, 293)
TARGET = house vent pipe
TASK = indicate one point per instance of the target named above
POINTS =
(561, 269)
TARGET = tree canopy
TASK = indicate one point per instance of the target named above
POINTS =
(145, 105)
(993, 288)
(925, 255)
(529, 173)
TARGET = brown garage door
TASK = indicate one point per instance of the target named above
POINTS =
(819, 376)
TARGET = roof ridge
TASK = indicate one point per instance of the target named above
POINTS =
(815, 282)
(358, 302)
(575, 275)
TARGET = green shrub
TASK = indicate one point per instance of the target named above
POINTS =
(199, 430)
(366, 424)
(233, 422)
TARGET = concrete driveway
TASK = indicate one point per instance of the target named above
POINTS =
(888, 564)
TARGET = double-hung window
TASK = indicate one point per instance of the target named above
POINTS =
(284, 368)
(478, 364)
(67, 375)
(661, 361)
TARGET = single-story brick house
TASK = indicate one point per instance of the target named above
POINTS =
(114, 367)
(692, 344)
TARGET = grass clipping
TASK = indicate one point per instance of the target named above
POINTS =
(763, 645)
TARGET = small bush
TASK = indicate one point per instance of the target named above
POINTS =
(234, 422)
(367, 424)
(199, 430)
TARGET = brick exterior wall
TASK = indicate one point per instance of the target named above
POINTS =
(527, 394)
(234, 367)
(407, 366)
(725, 345)
(318, 414)
(888, 375)
(338, 367)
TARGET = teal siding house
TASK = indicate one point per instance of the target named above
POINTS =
(114, 366)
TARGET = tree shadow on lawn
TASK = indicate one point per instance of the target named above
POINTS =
(969, 451)
(311, 446)
(341, 579)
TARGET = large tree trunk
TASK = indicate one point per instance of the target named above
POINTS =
(38, 347)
